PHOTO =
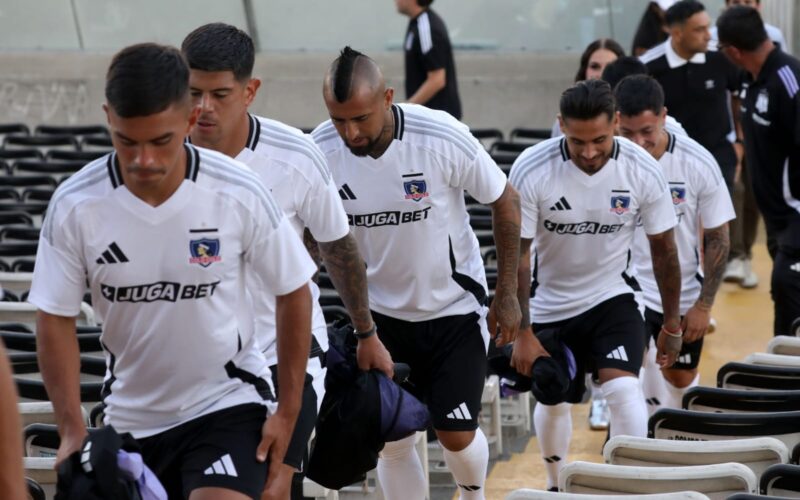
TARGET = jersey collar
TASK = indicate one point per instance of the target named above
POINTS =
(670, 142)
(676, 61)
(254, 134)
(399, 122)
(192, 166)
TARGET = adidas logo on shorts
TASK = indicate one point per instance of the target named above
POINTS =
(618, 353)
(460, 413)
(685, 359)
(223, 467)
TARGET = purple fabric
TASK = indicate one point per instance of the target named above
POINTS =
(132, 467)
(401, 413)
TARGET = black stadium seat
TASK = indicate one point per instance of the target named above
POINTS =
(46, 167)
(40, 141)
(35, 491)
(743, 375)
(734, 400)
(9, 194)
(30, 388)
(508, 147)
(22, 341)
(529, 134)
(37, 195)
(27, 180)
(96, 142)
(781, 480)
(21, 154)
(15, 218)
(82, 156)
(18, 232)
(79, 130)
(14, 128)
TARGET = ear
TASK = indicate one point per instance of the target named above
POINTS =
(615, 120)
(388, 97)
(194, 115)
(562, 124)
(251, 89)
(106, 111)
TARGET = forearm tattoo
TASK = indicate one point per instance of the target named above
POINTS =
(717, 244)
(349, 275)
(667, 271)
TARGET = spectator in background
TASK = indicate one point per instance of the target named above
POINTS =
(430, 68)
(12, 477)
(652, 28)
(773, 32)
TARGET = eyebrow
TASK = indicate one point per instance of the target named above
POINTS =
(126, 138)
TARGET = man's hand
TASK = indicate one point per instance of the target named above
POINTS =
(668, 347)
(505, 313)
(695, 322)
(527, 349)
(371, 353)
(275, 436)
(70, 443)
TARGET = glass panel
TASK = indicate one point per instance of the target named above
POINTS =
(33, 24)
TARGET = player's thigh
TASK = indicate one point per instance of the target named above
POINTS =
(617, 335)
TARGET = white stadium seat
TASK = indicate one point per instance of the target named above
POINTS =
(783, 344)
(768, 359)
(528, 494)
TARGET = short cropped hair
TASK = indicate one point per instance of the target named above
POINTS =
(681, 11)
(741, 27)
(587, 100)
(220, 47)
(146, 79)
(424, 3)
(636, 94)
(615, 71)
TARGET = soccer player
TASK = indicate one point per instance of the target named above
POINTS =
(221, 60)
(699, 196)
(402, 170)
(165, 232)
(581, 196)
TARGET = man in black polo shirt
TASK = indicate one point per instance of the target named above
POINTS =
(771, 122)
(697, 82)
(430, 69)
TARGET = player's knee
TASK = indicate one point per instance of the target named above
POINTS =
(555, 411)
(455, 440)
(397, 450)
(621, 390)
(680, 378)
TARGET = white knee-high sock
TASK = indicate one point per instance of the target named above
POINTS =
(400, 471)
(653, 384)
(626, 405)
(675, 394)
(468, 467)
(553, 426)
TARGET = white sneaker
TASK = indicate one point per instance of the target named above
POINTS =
(734, 271)
(599, 414)
(750, 279)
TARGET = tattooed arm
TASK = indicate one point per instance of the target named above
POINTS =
(506, 221)
(668, 277)
(716, 244)
(526, 347)
(313, 251)
(348, 274)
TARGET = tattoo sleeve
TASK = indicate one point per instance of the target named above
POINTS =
(313, 251)
(667, 272)
(506, 222)
(349, 275)
(524, 283)
(717, 244)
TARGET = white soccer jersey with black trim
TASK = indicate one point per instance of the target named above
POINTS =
(292, 167)
(407, 212)
(699, 194)
(582, 225)
(168, 284)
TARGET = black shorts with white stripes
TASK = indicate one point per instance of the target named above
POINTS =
(217, 450)
(689, 357)
(609, 335)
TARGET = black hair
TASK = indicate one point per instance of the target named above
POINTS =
(424, 3)
(341, 73)
(220, 47)
(601, 43)
(622, 67)
(728, 2)
(587, 100)
(636, 94)
(145, 79)
(681, 11)
(741, 27)
(650, 31)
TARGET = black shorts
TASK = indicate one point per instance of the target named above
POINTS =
(609, 335)
(785, 290)
(447, 357)
(216, 450)
(689, 357)
(297, 453)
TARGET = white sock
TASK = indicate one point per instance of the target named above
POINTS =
(400, 471)
(675, 394)
(653, 383)
(468, 467)
(627, 407)
(553, 426)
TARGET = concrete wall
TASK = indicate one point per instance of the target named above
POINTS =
(498, 90)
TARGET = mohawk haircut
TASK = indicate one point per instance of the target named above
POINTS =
(220, 47)
(342, 71)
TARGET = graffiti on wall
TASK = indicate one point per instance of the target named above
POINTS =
(51, 101)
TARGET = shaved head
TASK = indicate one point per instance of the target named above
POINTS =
(353, 73)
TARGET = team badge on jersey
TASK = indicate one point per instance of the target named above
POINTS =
(204, 251)
(762, 102)
(620, 204)
(416, 190)
(678, 195)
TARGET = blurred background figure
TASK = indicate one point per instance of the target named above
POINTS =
(773, 32)
(12, 480)
(652, 28)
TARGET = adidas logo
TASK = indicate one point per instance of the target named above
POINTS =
(553, 459)
(561, 204)
(618, 353)
(346, 193)
(112, 255)
(795, 267)
(653, 401)
(460, 413)
(685, 359)
(469, 488)
(223, 467)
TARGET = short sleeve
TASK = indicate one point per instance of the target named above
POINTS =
(656, 208)
(479, 176)
(529, 205)
(432, 43)
(59, 276)
(714, 200)
(321, 209)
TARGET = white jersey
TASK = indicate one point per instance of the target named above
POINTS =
(582, 225)
(294, 170)
(407, 212)
(699, 194)
(168, 284)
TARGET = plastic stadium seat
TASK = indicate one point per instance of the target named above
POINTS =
(783, 344)
(42, 142)
(529, 134)
(23, 181)
(96, 143)
(88, 342)
(74, 130)
(14, 128)
(35, 490)
(30, 386)
(685, 425)
(529, 494)
(767, 359)
(716, 481)
(734, 375)
(487, 136)
(82, 156)
(21, 154)
(41, 412)
(42, 471)
(795, 328)
(37, 195)
(781, 480)
(714, 399)
(15, 218)
(9, 194)
(511, 148)
(748, 496)
(97, 414)
(24, 167)
(755, 453)
(25, 313)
